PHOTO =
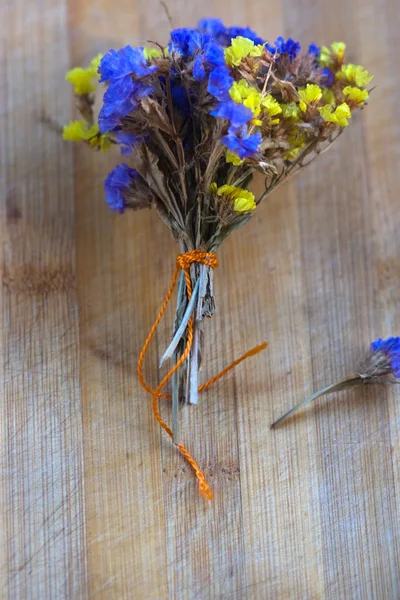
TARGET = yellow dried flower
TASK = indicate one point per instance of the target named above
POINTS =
(328, 97)
(151, 52)
(339, 116)
(328, 56)
(95, 63)
(83, 79)
(80, 131)
(311, 94)
(241, 200)
(290, 111)
(358, 96)
(355, 75)
(242, 93)
(233, 158)
(239, 49)
(297, 141)
(102, 142)
(271, 106)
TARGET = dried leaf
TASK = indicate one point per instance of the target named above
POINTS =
(156, 115)
(146, 163)
(287, 89)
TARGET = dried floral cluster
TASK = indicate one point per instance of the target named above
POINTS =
(195, 120)
(200, 115)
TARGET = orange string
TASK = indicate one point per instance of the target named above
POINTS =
(183, 262)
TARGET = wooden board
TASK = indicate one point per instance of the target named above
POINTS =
(94, 501)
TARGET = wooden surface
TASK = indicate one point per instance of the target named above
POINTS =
(94, 501)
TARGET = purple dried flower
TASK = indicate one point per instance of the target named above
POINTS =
(236, 114)
(391, 349)
(327, 77)
(242, 143)
(121, 98)
(224, 35)
(220, 83)
(313, 50)
(290, 47)
(118, 184)
(127, 61)
(127, 141)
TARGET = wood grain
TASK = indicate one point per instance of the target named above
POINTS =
(94, 501)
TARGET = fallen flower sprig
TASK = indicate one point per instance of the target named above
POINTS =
(382, 361)
(195, 119)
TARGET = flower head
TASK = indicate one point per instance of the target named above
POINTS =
(236, 114)
(118, 185)
(127, 141)
(211, 57)
(79, 131)
(290, 111)
(311, 94)
(240, 199)
(391, 349)
(220, 83)
(241, 142)
(313, 50)
(213, 27)
(149, 52)
(117, 64)
(232, 158)
(242, 93)
(290, 47)
(83, 80)
(333, 55)
(339, 116)
(272, 108)
(355, 95)
(214, 54)
(296, 140)
(199, 72)
(223, 35)
(240, 48)
(327, 76)
(355, 75)
(186, 41)
(121, 98)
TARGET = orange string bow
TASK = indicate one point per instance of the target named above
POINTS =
(183, 262)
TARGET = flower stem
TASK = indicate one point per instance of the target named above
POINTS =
(335, 387)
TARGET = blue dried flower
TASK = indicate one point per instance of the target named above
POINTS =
(180, 97)
(187, 41)
(127, 141)
(220, 83)
(390, 347)
(240, 142)
(213, 57)
(214, 54)
(199, 72)
(327, 76)
(118, 184)
(127, 61)
(236, 114)
(213, 27)
(313, 50)
(223, 35)
(290, 47)
(121, 98)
